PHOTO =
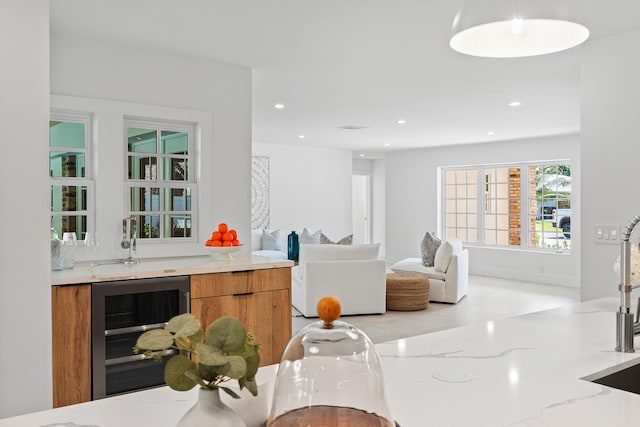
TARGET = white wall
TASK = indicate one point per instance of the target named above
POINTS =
(412, 208)
(25, 291)
(112, 81)
(610, 152)
(309, 187)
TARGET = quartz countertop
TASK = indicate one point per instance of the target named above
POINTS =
(521, 371)
(162, 267)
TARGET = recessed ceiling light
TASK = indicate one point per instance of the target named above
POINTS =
(386, 144)
(491, 133)
(402, 121)
(515, 104)
(361, 155)
(301, 136)
(278, 106)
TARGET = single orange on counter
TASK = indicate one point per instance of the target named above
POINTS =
(223, 228)
(328, 309)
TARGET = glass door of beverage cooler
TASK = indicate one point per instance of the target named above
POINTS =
(120, 312)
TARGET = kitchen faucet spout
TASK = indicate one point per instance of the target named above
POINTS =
(625, 327)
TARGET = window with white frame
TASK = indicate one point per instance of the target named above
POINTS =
(160, 182)
(70, 171)
(520, 206)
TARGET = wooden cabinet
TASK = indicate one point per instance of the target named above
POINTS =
(261, 299)
(71, 344)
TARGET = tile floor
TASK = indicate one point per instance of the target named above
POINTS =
(488, 298)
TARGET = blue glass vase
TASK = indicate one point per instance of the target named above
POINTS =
(293, 246)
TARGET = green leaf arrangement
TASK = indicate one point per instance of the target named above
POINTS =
(227, 352)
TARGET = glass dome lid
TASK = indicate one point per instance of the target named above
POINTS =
(329, 376)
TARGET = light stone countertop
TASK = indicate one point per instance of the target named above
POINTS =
(163, 267)
(521, 371)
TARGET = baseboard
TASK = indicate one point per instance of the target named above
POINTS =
(528, 276)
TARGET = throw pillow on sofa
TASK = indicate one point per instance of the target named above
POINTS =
(429, 246)
(347, 240)
(444, 253)
(271, 240)
(308, 237)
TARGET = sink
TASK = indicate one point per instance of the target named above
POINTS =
(625, 376)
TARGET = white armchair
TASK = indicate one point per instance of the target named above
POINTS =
(353, 274)
(448, 282)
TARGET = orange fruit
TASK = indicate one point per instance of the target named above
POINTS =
(216, 243)
(328, 309)
(227, 237)
(235, 234)
(223, 228)
(216, 235)
(235, 242)
(227, 243)
(209, 243)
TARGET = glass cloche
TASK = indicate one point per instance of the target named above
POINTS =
(329, 376)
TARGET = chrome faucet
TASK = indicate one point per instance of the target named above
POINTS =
(625, 327)
(129, 234)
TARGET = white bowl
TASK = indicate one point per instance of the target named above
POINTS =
(223, 253)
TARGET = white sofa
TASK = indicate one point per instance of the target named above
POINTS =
(257, 249)
(449, 285)
(353, 274)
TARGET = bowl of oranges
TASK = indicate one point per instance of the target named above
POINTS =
(223, 243)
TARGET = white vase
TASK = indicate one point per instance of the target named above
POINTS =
(209, 410)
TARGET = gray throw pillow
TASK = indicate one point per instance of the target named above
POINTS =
(308, 237)
(347, 240)
(428, 247)
(271, 240)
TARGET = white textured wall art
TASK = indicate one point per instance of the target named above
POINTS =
(259, 192)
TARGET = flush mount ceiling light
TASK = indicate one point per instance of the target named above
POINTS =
(516, 28)
(278, 106)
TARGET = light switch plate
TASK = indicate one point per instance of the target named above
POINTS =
(606, 234)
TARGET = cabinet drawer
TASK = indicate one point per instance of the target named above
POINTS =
(240, 282)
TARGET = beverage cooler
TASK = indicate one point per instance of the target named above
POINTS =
(120, 312)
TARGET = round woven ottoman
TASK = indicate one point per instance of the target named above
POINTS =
(407, 292)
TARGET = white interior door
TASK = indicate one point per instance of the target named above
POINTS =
(361, 201)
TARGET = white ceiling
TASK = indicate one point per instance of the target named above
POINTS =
(364, 63)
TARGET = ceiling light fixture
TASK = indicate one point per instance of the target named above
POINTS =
(278, 106)
(514, 28)
(490, 133)
(301, 136)
(361, 155)
(402, 121)
(386, 144)
(515, 104)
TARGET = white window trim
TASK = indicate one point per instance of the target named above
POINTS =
(88, 180)
(524, 200)
(192, 129)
